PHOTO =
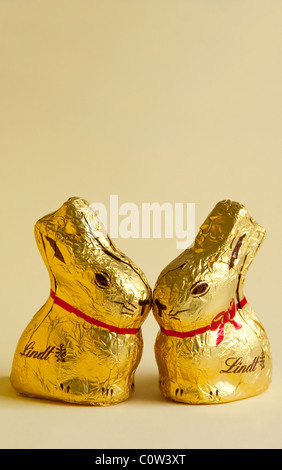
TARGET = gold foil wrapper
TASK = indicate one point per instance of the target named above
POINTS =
(85, 343)
(211, 348)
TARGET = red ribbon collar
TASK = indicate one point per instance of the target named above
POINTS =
(93, 321)
(217, 324)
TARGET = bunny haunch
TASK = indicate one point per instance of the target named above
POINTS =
(210, 343)
(85, 343)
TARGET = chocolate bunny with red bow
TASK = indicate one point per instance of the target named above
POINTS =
(211, 347)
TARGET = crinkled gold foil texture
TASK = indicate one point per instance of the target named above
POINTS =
(211, 348)
(85, 343)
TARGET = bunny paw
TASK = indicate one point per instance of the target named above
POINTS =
(214, 395)
(64, 387)
(107, 391)
(179, 392)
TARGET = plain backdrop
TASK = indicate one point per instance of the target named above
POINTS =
(153, 101)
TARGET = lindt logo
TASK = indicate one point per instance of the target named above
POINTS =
(237, 366)
(148, 220)
(43, 355)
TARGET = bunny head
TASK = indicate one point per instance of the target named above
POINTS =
(86, 268)
(207, 277)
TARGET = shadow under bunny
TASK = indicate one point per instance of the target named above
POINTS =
(6, 389)
(8, 393)
(146, 390)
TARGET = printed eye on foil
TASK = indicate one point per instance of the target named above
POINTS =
(85, 343)
(211, 347)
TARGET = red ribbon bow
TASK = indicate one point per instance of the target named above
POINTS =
(218, 323)
(225, 317)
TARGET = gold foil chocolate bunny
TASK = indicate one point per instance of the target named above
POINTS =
(85, 343)
(211, 347)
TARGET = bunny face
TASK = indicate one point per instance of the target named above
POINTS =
(86, 268)
(205, 278)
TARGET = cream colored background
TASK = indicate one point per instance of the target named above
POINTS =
(153, 100)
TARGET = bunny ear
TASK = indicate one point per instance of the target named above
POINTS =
(229, 235)
(82, 220)
(57, 252)
(78, 225)
(235, 252)
(220, 228)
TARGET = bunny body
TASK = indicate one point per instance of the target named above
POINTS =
(211, 348)
(85, 343)
(84, 363)
(191, 371)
